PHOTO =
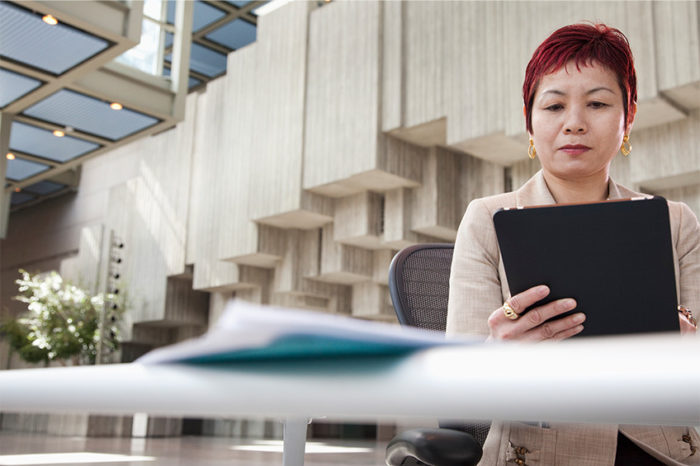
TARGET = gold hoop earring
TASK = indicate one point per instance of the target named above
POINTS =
(531, 152)
(626, 147)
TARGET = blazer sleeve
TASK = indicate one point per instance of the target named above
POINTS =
(475, 286)
(688, 250)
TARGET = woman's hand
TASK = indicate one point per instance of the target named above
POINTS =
(687, 326)
(533, 325)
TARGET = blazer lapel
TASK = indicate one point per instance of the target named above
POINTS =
(617, 191)
(534, 192)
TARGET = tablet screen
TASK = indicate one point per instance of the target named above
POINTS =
(614, 258)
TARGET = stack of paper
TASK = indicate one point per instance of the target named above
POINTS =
(250, 332)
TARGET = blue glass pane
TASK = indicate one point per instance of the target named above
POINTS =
(169, 39)
(203, 14)
(192, 82)
(14, 85)
(205, 61)
(20, 198)
(239, 3)
(41, 142)
(45, 187)
(90, 115)
(24, 37)
(234, 35)
(19, 169)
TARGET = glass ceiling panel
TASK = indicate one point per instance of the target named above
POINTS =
(145, 56)
(90, 115)
(203, 14)
(41, 142)
(14, 85)
(239, 3)
(19, 169)
(20, 198)
(192, 82)
(25, 38)
(44, 187)
(205, 61)
(234, 35)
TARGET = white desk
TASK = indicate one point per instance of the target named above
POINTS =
(633, 380)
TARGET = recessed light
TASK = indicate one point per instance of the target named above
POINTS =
(48, 19)
(115, 106)
(58, 133)
(10, 156)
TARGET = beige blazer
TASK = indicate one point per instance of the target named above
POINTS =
(478, 286)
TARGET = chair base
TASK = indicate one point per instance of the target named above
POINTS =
(433, 447)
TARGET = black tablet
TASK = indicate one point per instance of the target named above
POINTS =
(614, 258)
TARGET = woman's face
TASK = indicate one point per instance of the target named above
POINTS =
(578, 121)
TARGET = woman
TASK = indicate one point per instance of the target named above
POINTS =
(580, 102)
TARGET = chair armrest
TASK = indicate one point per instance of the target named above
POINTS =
(434, 447)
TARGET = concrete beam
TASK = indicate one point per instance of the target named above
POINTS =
(5, 196)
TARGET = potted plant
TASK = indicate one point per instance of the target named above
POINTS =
(63, 322)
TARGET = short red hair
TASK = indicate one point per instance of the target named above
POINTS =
(583, 43)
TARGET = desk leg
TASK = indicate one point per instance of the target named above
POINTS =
(294, 442)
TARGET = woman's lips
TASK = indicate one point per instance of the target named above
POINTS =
(574, 149)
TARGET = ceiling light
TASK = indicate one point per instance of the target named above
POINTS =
(48, 19)
(10, 156)
(115, 106)
(58, 133)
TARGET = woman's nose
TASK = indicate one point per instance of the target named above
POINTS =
(575, 123)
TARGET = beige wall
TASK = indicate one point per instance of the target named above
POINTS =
(343, 134)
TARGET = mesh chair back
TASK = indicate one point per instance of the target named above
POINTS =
(419, 278)
(419, 285)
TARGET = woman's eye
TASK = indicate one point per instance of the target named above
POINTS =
(554, 107)
(598, 104)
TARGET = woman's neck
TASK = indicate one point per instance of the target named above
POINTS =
(567, 191)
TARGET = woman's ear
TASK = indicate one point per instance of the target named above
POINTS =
(632, 114)
(526, 125)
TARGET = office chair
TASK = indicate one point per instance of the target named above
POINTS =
(419, 286)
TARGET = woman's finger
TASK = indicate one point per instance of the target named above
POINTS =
(687, 327)
(538, 317)
(527, 298)
(542, 314)
(518, 304)
(550, 329)
(567, 333)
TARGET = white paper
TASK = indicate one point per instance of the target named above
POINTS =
(245, 326)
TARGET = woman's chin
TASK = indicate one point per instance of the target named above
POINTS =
(574, 169)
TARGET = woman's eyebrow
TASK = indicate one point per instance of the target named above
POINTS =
(594, 90)
(601, 88)
(553, 91)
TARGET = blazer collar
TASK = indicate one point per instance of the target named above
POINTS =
(536, 192)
